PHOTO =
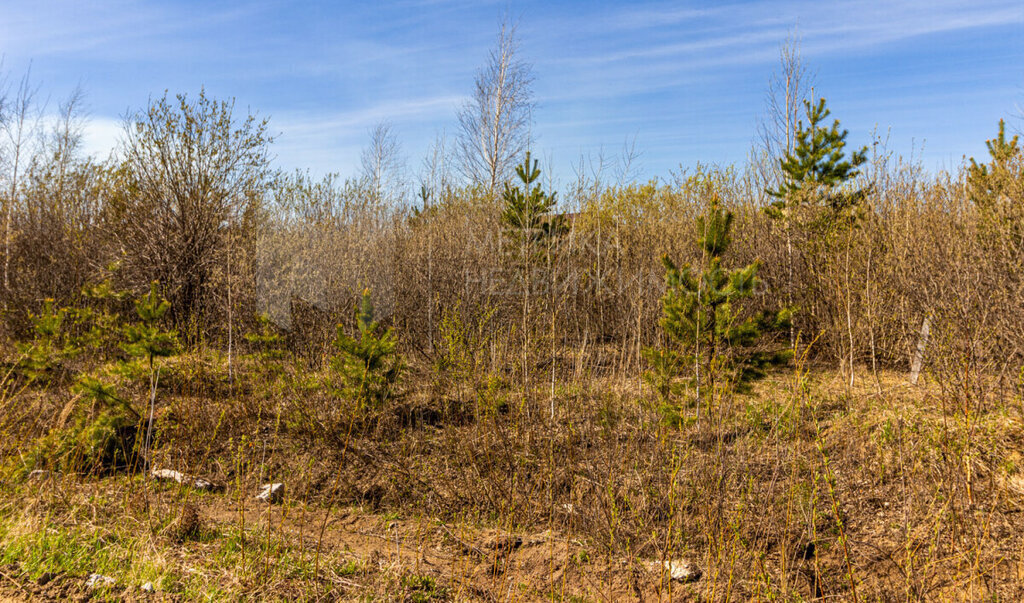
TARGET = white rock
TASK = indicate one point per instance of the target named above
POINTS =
(99, 581)
(167, 475)
(271, 493)
(170, 475)
(679, 570)
(148, 587)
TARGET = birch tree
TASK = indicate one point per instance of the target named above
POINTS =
(788, 88)
(494, 125)
(383, 167)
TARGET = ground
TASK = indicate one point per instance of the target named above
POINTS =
(806, 489)
(289, 551)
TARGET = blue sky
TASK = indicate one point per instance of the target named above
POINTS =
(685, 80)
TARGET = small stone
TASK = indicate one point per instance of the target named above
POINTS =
(148, 588)
(167, 475)
(201, 484)
(170, 475)
(99, 581)
(271, 493)
(679, 570)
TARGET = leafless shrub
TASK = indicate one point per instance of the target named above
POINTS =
(192, 173)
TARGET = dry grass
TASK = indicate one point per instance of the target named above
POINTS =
(806, 488)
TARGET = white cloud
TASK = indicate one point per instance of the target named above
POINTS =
(100, 136)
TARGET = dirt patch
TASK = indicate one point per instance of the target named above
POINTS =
(476, 563)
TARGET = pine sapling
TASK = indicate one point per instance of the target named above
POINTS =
(104, 437)
(708, 328)
(369, 365)
(527, 212)
(818, 193)
(49, 347)
(817, 172)
(532, 230)
(146, 340)
(997, 189)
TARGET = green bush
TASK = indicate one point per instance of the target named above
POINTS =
(97, 445)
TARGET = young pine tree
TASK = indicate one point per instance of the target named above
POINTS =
(532, 231)
(997, 189)
(369, 365)
(715, 343)
(815, 199)
(146, 340)
(267, 347)
(817, 171)
(989, 184)
(527, 213)
(98, 322)
(105, 436)
(40, 358)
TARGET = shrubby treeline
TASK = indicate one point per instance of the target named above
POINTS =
(861, 254)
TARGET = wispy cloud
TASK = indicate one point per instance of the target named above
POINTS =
(674, 74)
(117, 29)
(682, 47)
(357, 121)
(332, 141)
(737, 29)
